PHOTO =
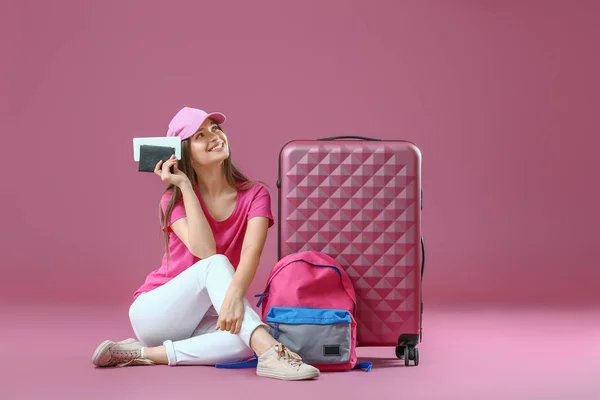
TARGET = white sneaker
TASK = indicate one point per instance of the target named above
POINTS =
(119, 354)
(280, 363)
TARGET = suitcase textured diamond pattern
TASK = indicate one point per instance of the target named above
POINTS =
(360, 204)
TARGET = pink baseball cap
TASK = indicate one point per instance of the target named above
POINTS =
(187, 121)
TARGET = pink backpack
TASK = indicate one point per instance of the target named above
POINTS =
(309, 304)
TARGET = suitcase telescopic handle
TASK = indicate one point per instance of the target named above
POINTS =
(350, 137)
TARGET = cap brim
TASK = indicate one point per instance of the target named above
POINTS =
(217, 117)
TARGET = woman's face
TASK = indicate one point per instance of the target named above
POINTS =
(209, 145)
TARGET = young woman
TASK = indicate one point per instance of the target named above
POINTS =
(192, 310)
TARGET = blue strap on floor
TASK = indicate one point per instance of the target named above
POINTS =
(250, 363)
(366, 365)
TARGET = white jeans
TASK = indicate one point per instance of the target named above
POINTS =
(182, 314)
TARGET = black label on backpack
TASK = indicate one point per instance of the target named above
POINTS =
(331, 350)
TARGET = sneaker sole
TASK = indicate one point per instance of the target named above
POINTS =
(305, 376)
(102, 348)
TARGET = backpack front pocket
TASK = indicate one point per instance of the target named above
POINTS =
(318, 335)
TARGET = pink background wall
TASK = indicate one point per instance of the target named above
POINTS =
(501, 97)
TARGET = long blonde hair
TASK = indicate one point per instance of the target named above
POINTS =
(235, 179)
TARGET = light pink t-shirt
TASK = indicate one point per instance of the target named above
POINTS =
(229, 234)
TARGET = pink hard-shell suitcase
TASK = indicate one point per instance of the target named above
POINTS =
(359, 200)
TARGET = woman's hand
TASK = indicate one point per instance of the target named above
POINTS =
(163, 170)
(231, 314)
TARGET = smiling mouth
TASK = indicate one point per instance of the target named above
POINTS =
(218, 147)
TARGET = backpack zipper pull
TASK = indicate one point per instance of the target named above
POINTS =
(262, 298)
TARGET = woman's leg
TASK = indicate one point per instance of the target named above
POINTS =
(206, 346)
(170, 314)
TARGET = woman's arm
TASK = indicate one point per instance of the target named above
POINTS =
(232, 310)
(252, 247)
(194, 230)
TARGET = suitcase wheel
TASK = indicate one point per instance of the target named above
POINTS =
(415, 356)
(400, 352)
(408, 354)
